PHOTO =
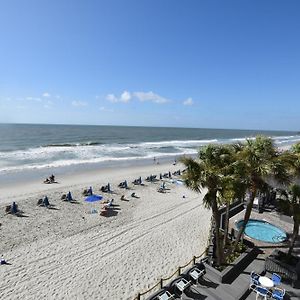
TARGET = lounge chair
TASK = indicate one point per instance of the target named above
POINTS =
(254, 278)
(166, 296)
(276, 279)
(261, 291)
(180, 285)
(278, 293)
(195, 273)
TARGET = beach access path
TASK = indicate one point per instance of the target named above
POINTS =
(69, 253)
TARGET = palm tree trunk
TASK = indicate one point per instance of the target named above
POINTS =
(216, 215)
(226, 225)
(294, 237)
(246, 217)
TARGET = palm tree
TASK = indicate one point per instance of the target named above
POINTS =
(260, 160)
(207, 172)
(233, 189)
(291, 206)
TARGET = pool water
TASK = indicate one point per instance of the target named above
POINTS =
(263, 231)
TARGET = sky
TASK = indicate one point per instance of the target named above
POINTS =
(194, 63)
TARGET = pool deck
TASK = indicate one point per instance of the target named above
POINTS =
(238, 289)
(273, 218)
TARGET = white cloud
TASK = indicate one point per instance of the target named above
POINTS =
(102, 108)
(46, 95)
(79, 103)
(112, 98)
(125, 97)
(36, 99)
(150, 96)
(188, 101)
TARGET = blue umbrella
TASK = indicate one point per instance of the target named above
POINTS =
(93, 198)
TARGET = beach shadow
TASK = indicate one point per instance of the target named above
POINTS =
(194, 294)
(111, 213)
(72, 201)
(124, 199)
(6, 263)
(52, 207)
(208, 283)
(20, 215)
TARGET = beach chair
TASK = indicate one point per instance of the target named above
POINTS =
(69, 197)
(46, 201)
(109, 204)
(161, 190)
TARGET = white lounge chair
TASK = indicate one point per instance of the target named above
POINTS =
(166, 296)
(195, 273)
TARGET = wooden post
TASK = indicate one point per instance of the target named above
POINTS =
(161, 283)
(138, 296)
(179, 270)
(194, 260)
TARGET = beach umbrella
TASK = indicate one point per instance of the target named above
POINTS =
(93, 198)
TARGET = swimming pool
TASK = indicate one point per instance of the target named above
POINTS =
(263, 231)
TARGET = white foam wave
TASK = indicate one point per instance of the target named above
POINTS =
(52, 157)
(176, 143)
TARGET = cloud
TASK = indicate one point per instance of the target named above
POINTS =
(150, 96)
(102, 108)
(79, 103)
(46, 95)
(125, 97)
(112, 98)
(188, 101)
(36, 99)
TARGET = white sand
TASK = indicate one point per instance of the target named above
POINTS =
(68, 253)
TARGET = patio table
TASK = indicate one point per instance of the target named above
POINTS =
(266, 281)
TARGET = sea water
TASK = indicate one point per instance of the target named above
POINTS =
(58, 148)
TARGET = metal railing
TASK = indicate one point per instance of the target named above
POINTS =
(160, 284)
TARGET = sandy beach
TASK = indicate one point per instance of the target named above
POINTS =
(69, 253)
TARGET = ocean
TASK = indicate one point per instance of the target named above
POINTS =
(57, 148)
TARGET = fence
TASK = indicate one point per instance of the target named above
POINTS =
(160, 284)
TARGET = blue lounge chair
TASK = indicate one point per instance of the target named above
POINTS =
(262, 291)
(278, 293)
(254, 278)
(276, 279)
